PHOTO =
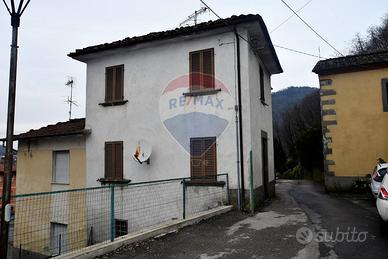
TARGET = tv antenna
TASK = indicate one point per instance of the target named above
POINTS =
(70, 101)
(194, 16)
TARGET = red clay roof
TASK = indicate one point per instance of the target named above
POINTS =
(71, 127)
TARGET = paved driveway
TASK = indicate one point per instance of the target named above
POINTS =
(302, 222)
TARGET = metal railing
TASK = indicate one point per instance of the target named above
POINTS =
(61, 222)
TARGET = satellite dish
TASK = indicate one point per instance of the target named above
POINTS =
(143, 151)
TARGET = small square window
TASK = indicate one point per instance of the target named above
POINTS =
(121, 227)
(61, 167)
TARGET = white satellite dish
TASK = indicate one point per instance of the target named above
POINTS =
(143, 151)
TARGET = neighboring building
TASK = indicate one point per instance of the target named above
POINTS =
(178, 90)
(354, 101)
(51, 158)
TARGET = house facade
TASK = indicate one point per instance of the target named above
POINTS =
(51, 161)
(354, 116)
(189, 93)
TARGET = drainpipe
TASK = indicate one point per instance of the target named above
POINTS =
(238, 162)
(239, 122)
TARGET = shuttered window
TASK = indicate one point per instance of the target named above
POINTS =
(114, 83)
(114, 160)
(202, 70)
(203, 158)
(262, 92)
(61, 167)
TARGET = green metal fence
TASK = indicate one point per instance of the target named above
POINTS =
(61, 222)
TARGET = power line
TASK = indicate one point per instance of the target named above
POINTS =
(289, 17)
(232, 29)
(298, 51)
(312, 29)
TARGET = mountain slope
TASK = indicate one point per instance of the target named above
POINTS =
(285, 99)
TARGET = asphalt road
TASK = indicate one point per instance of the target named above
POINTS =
(302, 222)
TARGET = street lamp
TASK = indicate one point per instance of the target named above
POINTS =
(15, 13)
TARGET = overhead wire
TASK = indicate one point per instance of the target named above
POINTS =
(289, 17)
(312, 29)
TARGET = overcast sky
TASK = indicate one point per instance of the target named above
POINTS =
(50, 29)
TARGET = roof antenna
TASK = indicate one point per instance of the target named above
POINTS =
(194, 16)
(70, 101)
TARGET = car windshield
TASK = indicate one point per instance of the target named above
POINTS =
(380, 175)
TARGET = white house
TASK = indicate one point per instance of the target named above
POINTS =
(189, 92)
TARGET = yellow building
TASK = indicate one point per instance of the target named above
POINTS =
(354, 107)
(51, 161)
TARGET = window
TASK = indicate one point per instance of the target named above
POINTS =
(384, 85)
(203, 158)
(114, 83)
(114, 160)
(262, 87)
(58, 239)
(61, 160)
(202, 70)
(121, 227)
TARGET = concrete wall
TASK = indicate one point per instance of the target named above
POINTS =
(354, 125)
(34, 214)
(148, 69)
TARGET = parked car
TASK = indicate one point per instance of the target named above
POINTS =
(378, 174)
(382, 200)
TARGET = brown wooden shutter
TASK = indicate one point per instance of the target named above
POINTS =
(119, 160)
(196, 158)
(109, 75)
(119, 83)
(195, 71)
(109, 158)
(210, 158)
(114, 83)
(203, 159)
(114, 160)
(208, 68)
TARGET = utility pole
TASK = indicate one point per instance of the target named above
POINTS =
(15, 14)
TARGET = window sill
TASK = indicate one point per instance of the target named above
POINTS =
(205, 183)
(113, 103)
(54, 183)
(202, 92)
(104, 181)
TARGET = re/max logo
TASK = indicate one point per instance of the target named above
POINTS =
(200, 100)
